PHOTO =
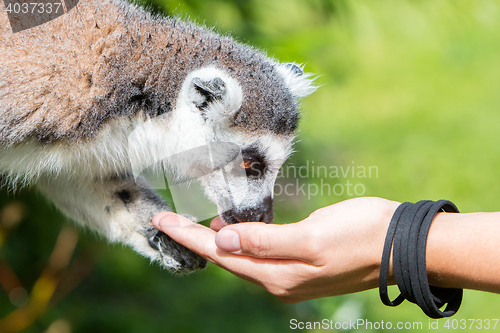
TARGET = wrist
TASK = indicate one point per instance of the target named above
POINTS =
(437, 252)
(375, 255)
(448, 251)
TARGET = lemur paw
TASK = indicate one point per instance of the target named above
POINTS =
(173, 256)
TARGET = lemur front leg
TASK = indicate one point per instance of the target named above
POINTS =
(122, 209)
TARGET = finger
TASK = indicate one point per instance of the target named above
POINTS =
(259, 240)
(158, 217)
(201, 240)
(196, 237)
(217, 223)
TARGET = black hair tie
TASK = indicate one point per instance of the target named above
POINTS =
(407, 237)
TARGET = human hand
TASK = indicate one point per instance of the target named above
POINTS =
(334, 251)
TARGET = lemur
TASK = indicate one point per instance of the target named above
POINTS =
(110, 88)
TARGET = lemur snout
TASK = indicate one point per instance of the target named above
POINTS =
(261, 213)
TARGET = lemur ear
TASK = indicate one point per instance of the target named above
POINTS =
(300, 84)
(294, 68)
(205, 92)
(213, 93)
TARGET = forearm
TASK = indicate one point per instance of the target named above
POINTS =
(463, 251)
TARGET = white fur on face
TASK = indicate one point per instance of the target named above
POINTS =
(231, 189)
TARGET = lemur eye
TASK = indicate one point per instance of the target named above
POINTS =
(247, 164)
(254, 168)
(253, 163)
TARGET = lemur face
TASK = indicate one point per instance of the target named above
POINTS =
(243, 187)
(248, 138)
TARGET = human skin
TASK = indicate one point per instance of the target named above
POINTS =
(337, 249)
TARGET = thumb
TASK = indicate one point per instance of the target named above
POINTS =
(256, 239)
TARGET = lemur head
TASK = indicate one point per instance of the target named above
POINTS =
(248, 119)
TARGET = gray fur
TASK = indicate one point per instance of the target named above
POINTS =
(136, 75)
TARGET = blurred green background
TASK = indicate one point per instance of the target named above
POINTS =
(409, 88)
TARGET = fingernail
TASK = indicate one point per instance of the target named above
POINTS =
(169, 221)
(228, 240)
(158, 217)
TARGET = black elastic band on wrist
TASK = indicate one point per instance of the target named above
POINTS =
(407, 237)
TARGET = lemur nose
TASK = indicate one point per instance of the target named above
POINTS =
(261, 213)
